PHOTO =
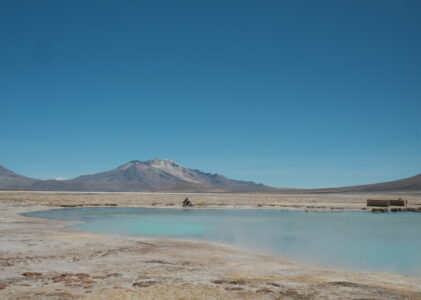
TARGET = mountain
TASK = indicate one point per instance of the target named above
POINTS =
(154, 175)
(408, 184)
(11, 180)
(164, 175)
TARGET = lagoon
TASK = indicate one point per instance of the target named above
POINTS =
(359, 241)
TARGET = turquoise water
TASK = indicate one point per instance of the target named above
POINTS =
(349, 240)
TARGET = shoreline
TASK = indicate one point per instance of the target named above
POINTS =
(309, 202)
(41, 259)
(254, 251)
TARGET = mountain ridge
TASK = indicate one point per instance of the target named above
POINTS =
(412, 183)
(154, 175)
(10, 179)
(166, 175)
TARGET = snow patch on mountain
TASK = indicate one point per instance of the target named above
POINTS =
(172, 168)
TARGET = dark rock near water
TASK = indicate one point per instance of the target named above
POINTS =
(379, 210)
(396, 209)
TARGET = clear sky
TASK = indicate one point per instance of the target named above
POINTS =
(287, 93)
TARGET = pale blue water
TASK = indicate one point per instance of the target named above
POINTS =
(349, 240)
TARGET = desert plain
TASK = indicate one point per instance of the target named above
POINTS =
(46, 259)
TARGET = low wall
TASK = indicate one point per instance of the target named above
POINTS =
(385, 202)
(397, 202)
(375, 202)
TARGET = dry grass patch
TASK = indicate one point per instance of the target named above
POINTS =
(173, 292)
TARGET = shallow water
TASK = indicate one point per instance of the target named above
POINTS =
(349, 240)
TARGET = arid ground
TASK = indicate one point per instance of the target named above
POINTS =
(44, 259)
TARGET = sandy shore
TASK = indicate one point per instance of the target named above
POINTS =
(44, 259)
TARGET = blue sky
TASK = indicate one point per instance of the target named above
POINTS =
(287, 93)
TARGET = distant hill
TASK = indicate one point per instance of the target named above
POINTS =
(11, 180)
(164, 175)
(407, 185)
